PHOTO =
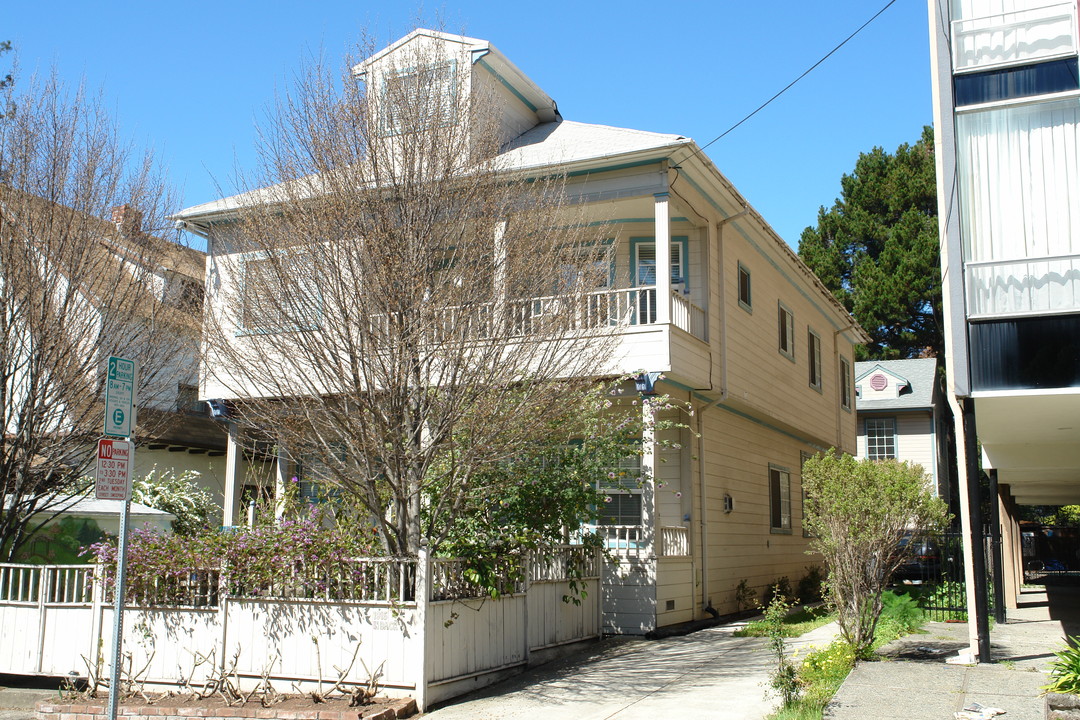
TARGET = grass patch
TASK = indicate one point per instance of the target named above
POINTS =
(822, 671)
(797, 623)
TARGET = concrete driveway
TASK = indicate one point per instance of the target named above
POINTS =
(707, 674)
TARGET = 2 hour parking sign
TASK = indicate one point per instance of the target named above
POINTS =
(120, 397)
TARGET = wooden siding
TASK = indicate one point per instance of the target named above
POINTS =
(915, 440)
(741, 544)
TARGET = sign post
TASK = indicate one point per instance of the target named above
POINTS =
(115, 460)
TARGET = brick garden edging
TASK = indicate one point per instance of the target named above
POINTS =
(399, 708)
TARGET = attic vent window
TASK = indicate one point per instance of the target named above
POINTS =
(416, 100)
(879, 382)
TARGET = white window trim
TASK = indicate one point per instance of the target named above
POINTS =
(813, 359)
(784, 479)
(748, 304)
(789, 335)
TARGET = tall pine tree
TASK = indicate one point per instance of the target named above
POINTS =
(877, 250)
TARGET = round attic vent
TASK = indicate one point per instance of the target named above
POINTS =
(879, 382)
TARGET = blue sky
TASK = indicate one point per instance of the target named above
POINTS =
(192, 78)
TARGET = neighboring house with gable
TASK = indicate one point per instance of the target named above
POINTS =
(738, 327)
(902, 415)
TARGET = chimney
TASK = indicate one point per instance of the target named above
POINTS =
(127, 219)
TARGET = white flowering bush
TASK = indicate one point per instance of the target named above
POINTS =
(193, 506)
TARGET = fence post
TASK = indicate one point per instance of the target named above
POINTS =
(97, 602)
(526, 571)
(43, 594)
(223, 613)
(423, 597)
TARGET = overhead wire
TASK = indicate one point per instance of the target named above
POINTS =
(825, 57)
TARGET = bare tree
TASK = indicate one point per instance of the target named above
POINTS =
(396, 304)
(76, 285)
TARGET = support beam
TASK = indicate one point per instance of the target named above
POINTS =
(996, 562)
(281, 480)
(975, 570)
(234, 460)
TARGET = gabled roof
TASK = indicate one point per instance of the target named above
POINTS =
(485, 54)
(919, 374)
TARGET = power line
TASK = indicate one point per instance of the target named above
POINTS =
(807, 72)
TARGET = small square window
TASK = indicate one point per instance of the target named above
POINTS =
(744, 288)
(813, 353)
(779, 500)
(786, 330)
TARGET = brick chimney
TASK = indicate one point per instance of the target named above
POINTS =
(127, 219)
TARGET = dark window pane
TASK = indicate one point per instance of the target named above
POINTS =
(1016, 82)
(1025, 353)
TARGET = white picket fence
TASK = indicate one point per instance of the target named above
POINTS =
(417, 621)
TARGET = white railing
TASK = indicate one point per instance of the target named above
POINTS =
(1014, 37)
(687, 316)
(674, 541)
(20, 583)
(570, 562)
(626, 540)
(552, 313)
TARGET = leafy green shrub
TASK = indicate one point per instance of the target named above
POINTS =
(779, 589)
(1065, 671)
(745, 596)
(811, 585)
(784, 678)
(900, 615)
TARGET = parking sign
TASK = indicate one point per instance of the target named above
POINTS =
(120, 397)
(113, 470)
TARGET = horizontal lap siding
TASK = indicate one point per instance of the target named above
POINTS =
(741, 545)
(674, 582)
(759, 376)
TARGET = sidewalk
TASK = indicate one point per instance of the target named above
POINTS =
(916, 683)
(707, 674)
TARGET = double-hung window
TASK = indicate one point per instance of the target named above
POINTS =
(779, 499)
(813, 354)
(279, 293)
(786, 329)
(845, 384)
(880, 438)
(744, 288)
(621, 491)
(418, 100)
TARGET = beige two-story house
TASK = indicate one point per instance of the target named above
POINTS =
(709, 302)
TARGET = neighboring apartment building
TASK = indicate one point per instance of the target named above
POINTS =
(737, 326)
(1007, 119)
(902, 415)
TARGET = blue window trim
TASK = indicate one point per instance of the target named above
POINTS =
(645, 240)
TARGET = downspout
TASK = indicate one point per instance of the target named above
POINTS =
(706, 601)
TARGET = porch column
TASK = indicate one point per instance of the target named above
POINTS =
(649, 464)
(499, 277)
(663, 258)
(1009, 547)
(234, 458)
(281, 480)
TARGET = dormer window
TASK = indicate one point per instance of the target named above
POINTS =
(419, 99)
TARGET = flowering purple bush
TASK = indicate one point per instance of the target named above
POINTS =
(303, 557)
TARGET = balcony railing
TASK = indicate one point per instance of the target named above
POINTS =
(1014, 37)
(1028, 286)
(674, 541)
(595, 310)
